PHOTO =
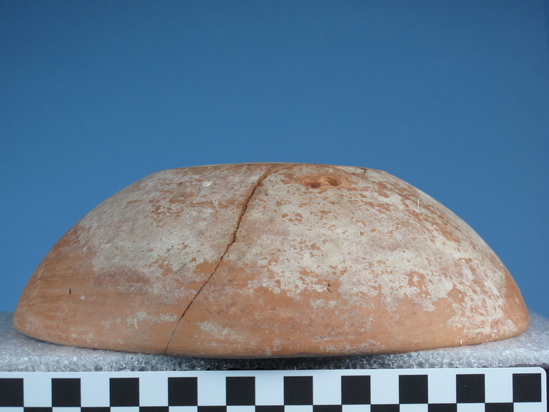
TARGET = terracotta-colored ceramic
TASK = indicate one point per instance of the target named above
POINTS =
(260, 260)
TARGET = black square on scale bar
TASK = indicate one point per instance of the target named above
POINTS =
(182, 391)
(95, 409)
(240, 390)
(526, 387)
(413, 389)
(11, 392)
(327, 408)
(212, 409)
(499, 407)
(470, 388)
(385, 408)
(124, 391)
(442, 407)
(65, 392)
(269, 408)
(154, 409)
(355, 390)
(298, 390)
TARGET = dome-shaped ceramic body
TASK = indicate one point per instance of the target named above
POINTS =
(259, 260)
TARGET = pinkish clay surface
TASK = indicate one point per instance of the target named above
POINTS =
(271, 260)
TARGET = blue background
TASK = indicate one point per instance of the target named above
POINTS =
(450, 96)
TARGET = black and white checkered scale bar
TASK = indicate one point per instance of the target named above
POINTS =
(406, 390)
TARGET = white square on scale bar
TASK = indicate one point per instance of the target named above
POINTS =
(498, 386)
(37, 390)
(153, 390)
(529, 407)
(298, 408)
(65, 409)
(327, 388)
(414, 408)
(384, 388)
(269, 389)
(183, 409)
(355, 408)
(240, 408)
(442, 387)
(95, 388)
(124, 408)
(212, 389)
(470, 407)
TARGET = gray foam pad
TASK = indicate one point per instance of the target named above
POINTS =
(21, 353)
